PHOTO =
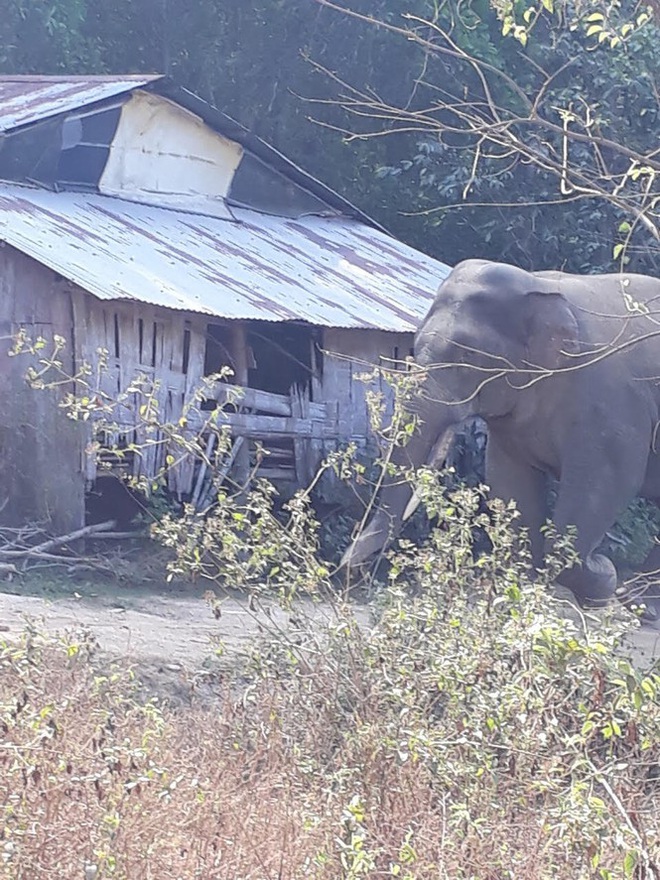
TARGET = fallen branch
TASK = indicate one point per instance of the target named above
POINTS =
(119, 536)
(54, 557)
(41, 549)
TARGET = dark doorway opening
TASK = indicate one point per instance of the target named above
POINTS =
(218, 349)
(282, 356)
(278, 356)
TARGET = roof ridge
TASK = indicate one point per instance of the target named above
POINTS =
(79, 77)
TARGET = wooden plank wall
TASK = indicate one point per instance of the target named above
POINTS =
(41, 450)
(348, 355)
(164, 347)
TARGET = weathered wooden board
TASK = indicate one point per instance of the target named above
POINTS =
(258, 426)
(262, 401)
(41, 450)
(349, 356)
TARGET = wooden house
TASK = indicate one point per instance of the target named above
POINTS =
(139, 222)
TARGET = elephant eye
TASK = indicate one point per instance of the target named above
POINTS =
(461, 347)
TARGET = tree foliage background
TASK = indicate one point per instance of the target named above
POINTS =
(277, 65)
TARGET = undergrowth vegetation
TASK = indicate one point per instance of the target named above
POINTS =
(471, 731)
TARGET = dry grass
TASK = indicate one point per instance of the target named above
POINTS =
(294, 776)
(89, 777)
(472, 734)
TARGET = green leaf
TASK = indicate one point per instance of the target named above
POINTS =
(648, 687)
(630, 863)
(616, 253)
(594, 29)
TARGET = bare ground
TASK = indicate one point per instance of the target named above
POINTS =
(170, 632)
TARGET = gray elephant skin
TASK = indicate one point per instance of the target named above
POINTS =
(565, 370)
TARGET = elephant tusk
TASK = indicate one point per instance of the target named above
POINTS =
(654, 437)
(435, 460)
(412, 505)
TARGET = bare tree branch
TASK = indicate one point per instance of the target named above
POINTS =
(500, 121)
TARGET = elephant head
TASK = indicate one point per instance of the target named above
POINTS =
(488, 340)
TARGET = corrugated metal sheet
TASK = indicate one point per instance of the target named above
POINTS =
(26, 99)
(332, 272)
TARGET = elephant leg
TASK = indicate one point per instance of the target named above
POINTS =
(510, 478)
(592, 493)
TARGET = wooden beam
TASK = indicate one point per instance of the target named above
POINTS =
(239, 355)
(258, 426)
(251, 398)
(265, 401)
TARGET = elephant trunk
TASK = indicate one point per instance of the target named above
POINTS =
(428, 445)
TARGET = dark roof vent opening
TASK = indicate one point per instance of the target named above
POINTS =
(257, 186)
(68, 151)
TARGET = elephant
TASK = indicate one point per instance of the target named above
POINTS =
(565, 371)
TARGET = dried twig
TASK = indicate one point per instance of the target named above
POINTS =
(41, 549)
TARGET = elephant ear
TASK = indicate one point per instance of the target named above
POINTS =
(551, 331)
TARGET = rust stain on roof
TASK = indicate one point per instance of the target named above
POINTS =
(329, 271)
(28, 99)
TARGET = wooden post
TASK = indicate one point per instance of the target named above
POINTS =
(301, 445)
(317, 447)
(239, 354)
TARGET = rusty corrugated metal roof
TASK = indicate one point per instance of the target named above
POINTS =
(329, 271)
(27, 99)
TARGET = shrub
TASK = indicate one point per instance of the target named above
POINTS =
(471, 732)
(475, 729)
(631, 540)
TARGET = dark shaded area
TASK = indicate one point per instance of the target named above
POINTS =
(71, 151)
(218, 349)
(256, 186)
(32, 156)
(281, 356)
(111, 498)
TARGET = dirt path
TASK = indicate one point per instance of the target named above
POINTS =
(169, 629)
(175, 626)
(169, 635)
